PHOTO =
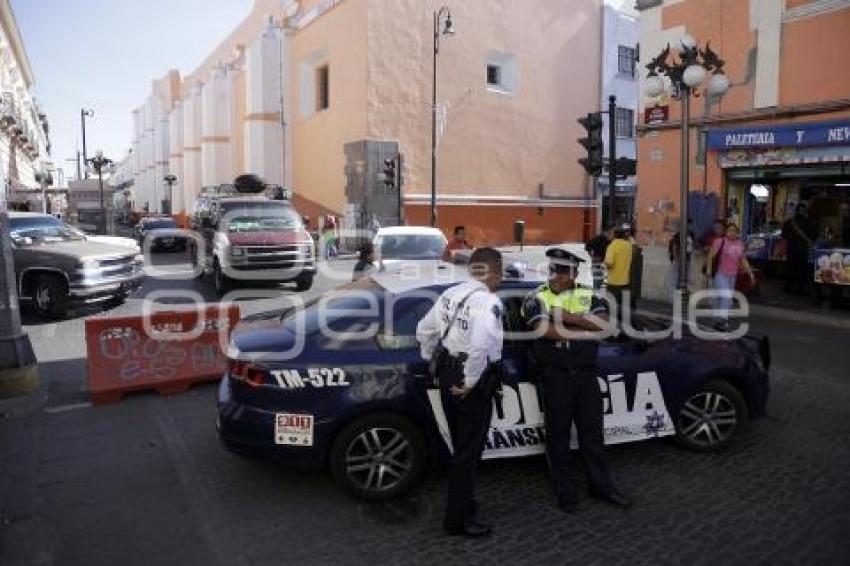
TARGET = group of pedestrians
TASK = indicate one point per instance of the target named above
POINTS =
(726, 261)
(462, 338)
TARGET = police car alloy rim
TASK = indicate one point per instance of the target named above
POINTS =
(378, 459)
(707, 419)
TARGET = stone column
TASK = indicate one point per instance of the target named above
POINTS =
(163, 133)
(175, 161)
(264, 136)
(216, 127)
(192, 146)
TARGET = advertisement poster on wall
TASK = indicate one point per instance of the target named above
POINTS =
(832, 266)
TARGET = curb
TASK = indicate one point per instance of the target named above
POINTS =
(766, 311)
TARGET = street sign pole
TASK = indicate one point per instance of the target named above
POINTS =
(18, 365)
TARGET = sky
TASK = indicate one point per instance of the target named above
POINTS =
(103, 54)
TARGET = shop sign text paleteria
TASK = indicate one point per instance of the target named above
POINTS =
(807, 134)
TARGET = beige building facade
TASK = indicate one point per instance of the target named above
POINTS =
(314, 95)
(24, 143)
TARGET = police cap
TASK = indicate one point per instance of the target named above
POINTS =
(561, 258)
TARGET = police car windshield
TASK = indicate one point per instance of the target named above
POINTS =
(410, 246)
(360, 300)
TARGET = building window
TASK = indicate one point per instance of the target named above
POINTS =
(314, 79)
(494, 75)
(322, 88)
(625, 127)
(502, 72)
(626, 57)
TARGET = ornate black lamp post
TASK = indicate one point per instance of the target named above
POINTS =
(686, 74)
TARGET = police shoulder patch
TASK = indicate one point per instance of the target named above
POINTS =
(497, 312)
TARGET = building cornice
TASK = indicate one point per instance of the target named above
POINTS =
(814, 8)
(13, 34)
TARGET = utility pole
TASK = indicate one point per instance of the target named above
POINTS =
(83, 113)
(18, 365)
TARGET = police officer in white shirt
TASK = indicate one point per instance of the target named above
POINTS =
(463, 332)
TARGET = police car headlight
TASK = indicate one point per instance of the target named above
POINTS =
(237, 252)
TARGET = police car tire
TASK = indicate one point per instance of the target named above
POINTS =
(349, 435)
(729, 396)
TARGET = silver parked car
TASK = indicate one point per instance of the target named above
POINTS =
(57, 266)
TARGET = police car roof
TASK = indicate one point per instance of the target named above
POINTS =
(410, 275)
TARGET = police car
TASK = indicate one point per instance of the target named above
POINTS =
(340, 383)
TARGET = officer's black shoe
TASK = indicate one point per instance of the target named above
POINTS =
(472, 529)
(613, 497)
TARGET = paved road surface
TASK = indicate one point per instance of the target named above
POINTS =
(146, 482)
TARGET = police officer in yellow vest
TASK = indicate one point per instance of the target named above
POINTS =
(567, 350)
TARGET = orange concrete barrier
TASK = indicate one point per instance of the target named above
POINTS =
(168, 352)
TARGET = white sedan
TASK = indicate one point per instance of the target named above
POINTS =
(407, 243)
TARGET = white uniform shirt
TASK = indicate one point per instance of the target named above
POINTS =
(477, 330)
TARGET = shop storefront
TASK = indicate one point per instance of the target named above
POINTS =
(769, 170)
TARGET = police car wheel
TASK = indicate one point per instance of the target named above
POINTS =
(378, 457)
(711, 417)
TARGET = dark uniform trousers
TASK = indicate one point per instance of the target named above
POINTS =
(468, 420)
(574, 395)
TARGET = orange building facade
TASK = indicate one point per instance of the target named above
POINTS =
(776, 138)
(316, 94)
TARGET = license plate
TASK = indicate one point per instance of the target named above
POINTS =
(293, 430)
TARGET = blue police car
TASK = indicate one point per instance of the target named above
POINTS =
(339, 383)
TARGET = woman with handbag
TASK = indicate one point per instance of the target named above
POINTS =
(727, 259)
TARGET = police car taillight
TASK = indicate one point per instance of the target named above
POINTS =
(246, 372)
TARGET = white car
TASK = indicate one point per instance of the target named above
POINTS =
(408, 243)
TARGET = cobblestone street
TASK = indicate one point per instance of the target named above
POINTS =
(146, 481)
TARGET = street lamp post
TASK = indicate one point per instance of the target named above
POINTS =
(444, 16)
(686, 75)
(170, 180)
(83, 113)
(99, 162)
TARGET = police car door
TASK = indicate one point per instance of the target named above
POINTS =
(516, 428)
(630, 375)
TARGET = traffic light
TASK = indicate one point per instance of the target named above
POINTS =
(594, 161)
(626, 167)
(391, 173)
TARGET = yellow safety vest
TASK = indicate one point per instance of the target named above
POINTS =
(574, 301)
(572, 354)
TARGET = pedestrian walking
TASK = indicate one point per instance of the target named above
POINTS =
(618, 260)
(800, 235)
(568, 356)
(673, 250)
(727, 259)
(374, 225)
(462, 337)
(365, 262)
(596, 247)
(457, 243)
